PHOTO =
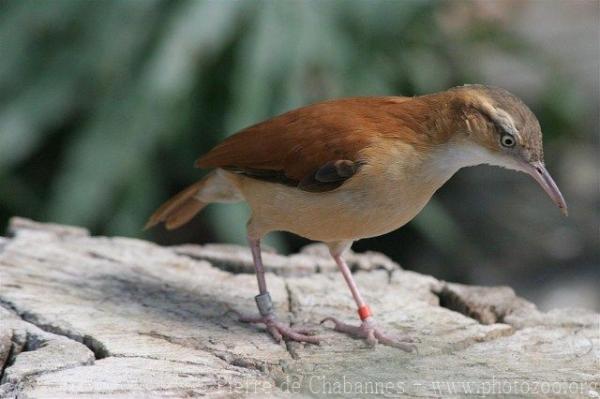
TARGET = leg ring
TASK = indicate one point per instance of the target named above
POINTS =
(364, 312)
(264, 304)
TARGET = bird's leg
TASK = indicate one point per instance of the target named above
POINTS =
(368, 329)
(266, 315)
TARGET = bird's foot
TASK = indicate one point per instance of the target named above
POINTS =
(369, 331)
(280, 331)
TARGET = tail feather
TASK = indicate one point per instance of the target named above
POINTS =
(180, 209)
(214, 187)
(184, 214)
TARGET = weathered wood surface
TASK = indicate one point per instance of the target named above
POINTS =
(84, 316)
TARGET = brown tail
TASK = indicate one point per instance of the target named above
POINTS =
(180, 209)
(214, 187)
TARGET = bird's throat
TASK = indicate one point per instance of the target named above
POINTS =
(445, 160)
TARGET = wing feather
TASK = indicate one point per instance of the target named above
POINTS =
(315, 148)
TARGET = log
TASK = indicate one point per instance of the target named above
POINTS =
(114, 317)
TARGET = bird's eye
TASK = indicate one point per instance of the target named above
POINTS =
(507, 141)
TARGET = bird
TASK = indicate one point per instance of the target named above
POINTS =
(346, 169)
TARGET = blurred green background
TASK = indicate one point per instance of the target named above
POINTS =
(105, 105)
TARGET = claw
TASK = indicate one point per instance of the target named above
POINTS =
(332, 319)
(372, 334)
(280, 331)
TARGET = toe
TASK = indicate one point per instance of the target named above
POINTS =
(406, 347)
(370, 338)
(246, 318)
(342, 327)
(274, 331)
(305, 330)
(395, 343)
(295, 335)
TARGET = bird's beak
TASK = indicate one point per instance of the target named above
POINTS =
(538, 171)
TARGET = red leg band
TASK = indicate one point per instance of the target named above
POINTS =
(364, 312)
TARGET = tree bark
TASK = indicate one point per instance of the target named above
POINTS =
(114, 317)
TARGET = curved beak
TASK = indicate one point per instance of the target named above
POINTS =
(538, 171)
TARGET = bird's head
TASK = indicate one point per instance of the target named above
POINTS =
(508, 132)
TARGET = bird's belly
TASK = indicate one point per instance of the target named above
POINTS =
(339, 223)
(350, 213)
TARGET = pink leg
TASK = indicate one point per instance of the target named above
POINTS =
(368, 329)
(267, 316)
(258, 264)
